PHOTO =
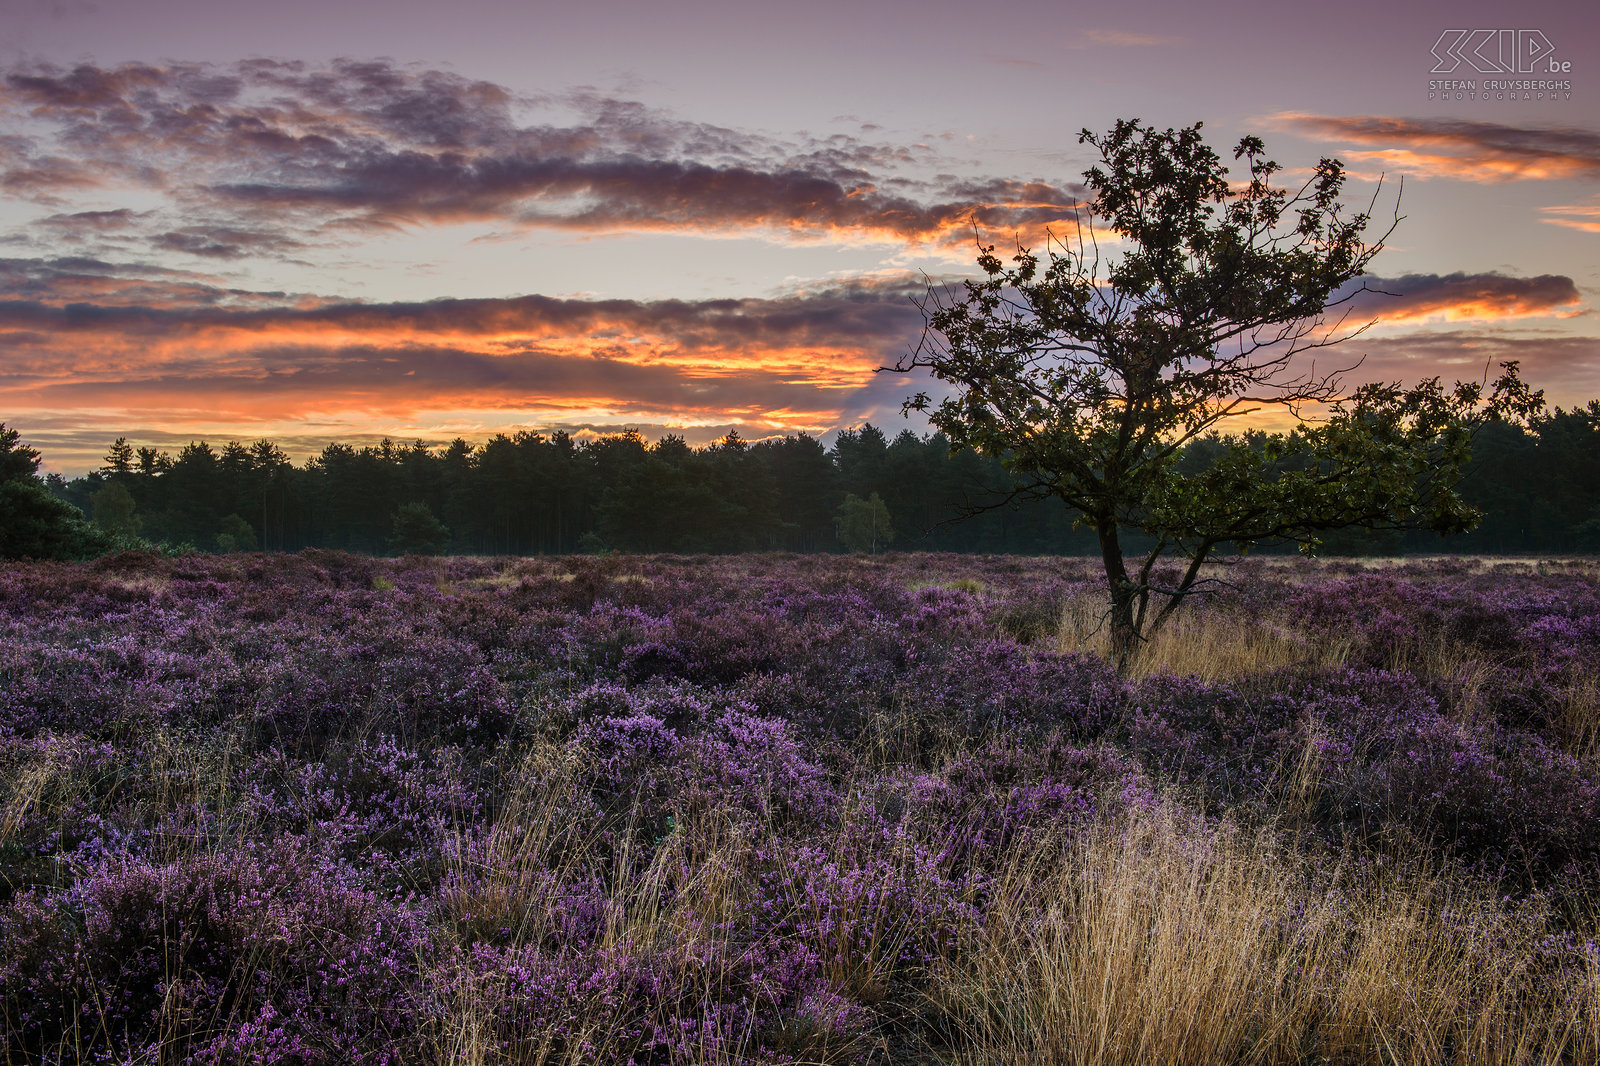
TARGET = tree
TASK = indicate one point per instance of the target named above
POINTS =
(271, 473)
(1090, 378)
(193, 490)
(237, 535)
(17, 460)
(864, 524)
(861, 455)
(119, 458)
(113, 510)
(152, 463)
(417, 531)
(33, 523)
(806, 478)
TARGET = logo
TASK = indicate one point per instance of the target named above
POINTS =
(1497, 52)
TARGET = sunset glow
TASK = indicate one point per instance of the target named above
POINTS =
(585, 223)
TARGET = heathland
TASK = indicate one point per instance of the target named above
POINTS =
(325, 808)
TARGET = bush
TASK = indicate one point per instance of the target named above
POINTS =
(36, 525)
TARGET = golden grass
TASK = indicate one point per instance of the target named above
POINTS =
(514, 576)
(1578, 718)
(1150, 937)
(499, 880)
(1157, 941)
(28, 787)
(959, 584)
(1200, 642)
(1219, 646)
(177, 774)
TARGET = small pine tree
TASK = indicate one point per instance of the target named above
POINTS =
(417, 531)
(113, 509)
(863, 525)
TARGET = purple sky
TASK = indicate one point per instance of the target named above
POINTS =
(315, 221)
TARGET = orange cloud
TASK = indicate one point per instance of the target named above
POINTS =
(1458, 148)
(169, 352)
(1584, 217)
(1462, 297)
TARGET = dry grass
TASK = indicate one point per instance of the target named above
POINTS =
(27, 788)
(683, 896)
(1578, 718)
(177, 774)
(1219, 646)
(959, 584)
(499, 879)
(1157, 941)
(1151, 937)
(1463, 670)
(1200, 642)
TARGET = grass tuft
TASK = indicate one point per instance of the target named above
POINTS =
(1197, 641)
(1159, 939)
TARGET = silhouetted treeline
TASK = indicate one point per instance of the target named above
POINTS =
(532, 493)
(1539, 491)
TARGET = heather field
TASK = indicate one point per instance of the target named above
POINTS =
(322, 808)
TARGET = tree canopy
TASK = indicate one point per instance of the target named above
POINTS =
(1093, 375)
(33, 523)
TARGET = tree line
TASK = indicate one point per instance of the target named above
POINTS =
(528, 493)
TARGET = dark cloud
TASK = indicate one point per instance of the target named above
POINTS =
(13, 272)
(836, 317)
(92, 221)
(87, 296)
(88, 89)
(61, 280)
(92, 337)
(379, 144)
(45, 179)
(1459, 148)
(433, 376)
(1461, 295)
(224, 242)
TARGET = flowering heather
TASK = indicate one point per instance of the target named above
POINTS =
(790, 809)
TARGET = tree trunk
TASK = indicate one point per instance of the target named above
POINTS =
(1124, 636)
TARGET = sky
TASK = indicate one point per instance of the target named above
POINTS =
(310, 222)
